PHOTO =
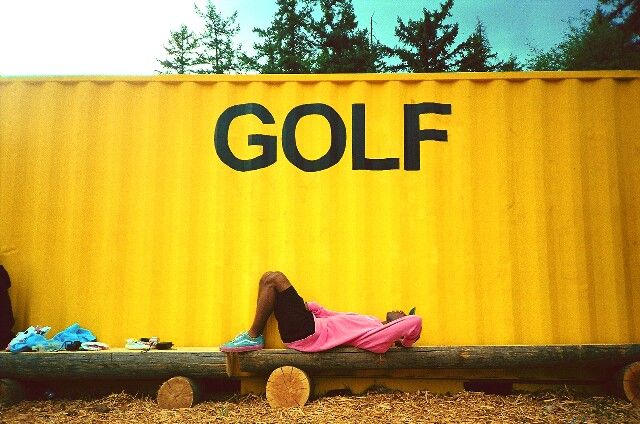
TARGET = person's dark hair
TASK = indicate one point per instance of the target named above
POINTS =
(394, 315)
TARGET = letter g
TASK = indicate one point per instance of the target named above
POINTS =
(268, 142)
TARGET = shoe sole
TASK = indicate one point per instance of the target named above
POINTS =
(240, 349)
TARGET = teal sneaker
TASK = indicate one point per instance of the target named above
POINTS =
(243, 343)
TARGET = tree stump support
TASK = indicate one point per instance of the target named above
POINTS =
(287, 387)
(11, 391)
(178, 392)
(628, 382)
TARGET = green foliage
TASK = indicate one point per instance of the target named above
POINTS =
(625, 15)
(550, 60)
(427, 42)
(475, 52)
(181, 51)
(342, 47)
(476, 55)
(219, 53)
(295, 42)
(286, 45)
(591, 44)
(510, 65)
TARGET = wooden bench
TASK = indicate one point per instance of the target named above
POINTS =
(116, 363)
(290, 371)
(438, 357)
(562, 363)
(180, 366)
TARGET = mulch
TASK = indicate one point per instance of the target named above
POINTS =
(371, 408)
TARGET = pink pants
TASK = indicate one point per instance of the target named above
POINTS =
(406, 330)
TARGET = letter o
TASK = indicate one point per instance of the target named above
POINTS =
(338, 137)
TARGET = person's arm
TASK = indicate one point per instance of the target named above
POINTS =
(319, 311)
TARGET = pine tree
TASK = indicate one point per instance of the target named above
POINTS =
(287, 45)
(510, 65)
(428, 42)
(377, 57)
(181, 51)
(342, 47)
(475, 52)
(219, 53)
(594, 43)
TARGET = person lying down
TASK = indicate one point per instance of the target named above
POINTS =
(308, 327)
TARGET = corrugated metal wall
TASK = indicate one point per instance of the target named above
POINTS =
(523, 228)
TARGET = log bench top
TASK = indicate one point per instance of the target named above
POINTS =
(209, 362)
(117, 363)
(444, 357)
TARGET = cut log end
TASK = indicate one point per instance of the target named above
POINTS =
(287, 387)
(11, 392)
(178, 392)
(631, 382)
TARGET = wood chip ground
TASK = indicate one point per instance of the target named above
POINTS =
(372, 408)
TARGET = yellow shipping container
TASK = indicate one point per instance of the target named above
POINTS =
(124, 205)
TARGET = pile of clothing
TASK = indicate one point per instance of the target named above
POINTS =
(73, 337)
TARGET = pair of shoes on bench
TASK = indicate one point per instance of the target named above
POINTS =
(145, 343)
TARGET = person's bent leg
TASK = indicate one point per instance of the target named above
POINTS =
(270, 284)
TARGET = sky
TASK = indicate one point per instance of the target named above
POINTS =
(126, 37)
